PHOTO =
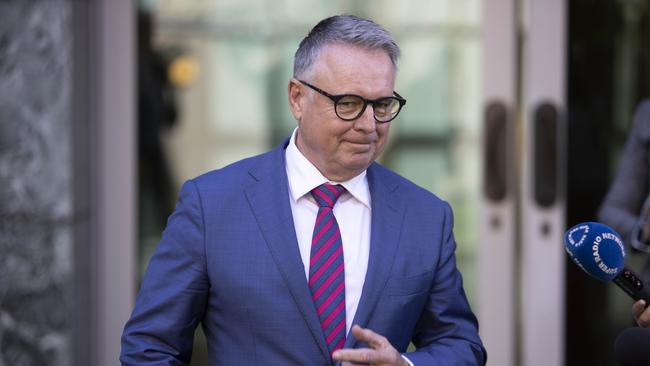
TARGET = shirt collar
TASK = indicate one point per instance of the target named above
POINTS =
(304, 176)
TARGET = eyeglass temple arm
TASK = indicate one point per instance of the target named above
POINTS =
(400, 97)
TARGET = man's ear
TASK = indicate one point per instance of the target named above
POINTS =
(296, 98)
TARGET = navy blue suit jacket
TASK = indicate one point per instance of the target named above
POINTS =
(229, 259)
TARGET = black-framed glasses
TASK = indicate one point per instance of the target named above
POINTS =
(349, 107)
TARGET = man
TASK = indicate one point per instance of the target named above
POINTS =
(312, 254)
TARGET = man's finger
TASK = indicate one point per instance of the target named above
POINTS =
(366, 335)
(360, 355)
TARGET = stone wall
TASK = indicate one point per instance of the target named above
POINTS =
(36, 171)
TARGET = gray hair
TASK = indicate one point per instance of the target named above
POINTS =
(347, 29)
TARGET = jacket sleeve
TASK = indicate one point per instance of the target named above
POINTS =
(447, 331)
(622, 205)
(173, 294)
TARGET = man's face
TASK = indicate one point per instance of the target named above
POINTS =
(342, 149)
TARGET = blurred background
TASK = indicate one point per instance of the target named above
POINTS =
(517, 112)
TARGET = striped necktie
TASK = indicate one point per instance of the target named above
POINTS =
(326, 269)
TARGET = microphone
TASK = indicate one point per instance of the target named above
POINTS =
(632, 347)
(599, 251)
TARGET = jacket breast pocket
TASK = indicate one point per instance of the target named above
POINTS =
(409, 285)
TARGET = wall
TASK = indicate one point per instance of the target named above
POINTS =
(37, 221)
(67, 182)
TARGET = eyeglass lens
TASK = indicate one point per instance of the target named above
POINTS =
(351, 107)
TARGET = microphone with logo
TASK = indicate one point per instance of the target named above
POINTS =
(599, 251)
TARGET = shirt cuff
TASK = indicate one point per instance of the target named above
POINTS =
(407, 360)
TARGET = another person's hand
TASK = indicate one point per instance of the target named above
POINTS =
(641, 314)
(380, 353)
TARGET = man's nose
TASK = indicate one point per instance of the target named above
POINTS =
(366, 122)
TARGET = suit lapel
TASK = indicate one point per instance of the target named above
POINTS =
(273, 213)
(387, 215)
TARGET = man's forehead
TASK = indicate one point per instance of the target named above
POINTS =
(342, 58)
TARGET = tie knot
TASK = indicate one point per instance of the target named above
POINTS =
(326, 194)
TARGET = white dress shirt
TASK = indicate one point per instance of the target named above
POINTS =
(352, 212)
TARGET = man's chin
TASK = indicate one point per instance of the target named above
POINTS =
(359, 164)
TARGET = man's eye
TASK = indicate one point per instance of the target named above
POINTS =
(349, 104)
(383, 105)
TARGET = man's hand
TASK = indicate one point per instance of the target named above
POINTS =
(641, 314)
(381, 353)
